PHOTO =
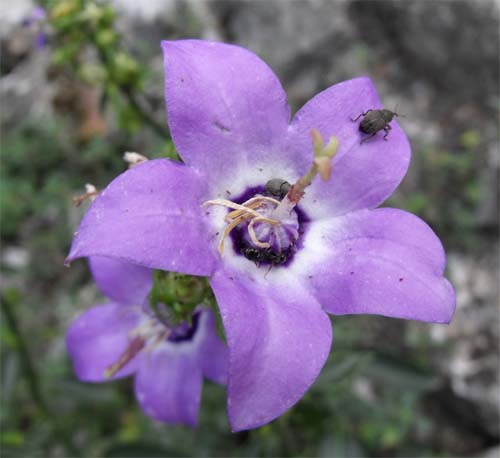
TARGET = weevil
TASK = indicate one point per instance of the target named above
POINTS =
(278, 187)
(374, 121)
(265, 256)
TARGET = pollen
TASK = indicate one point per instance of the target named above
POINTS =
(245, 212)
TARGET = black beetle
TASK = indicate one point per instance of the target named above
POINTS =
(278, 187)
(265, 256)
(253, 254)
(375, 121)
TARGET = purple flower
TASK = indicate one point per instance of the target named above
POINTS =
(122, 337)
(278, 274)
(35, 20)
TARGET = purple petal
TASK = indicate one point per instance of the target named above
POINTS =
(385, 262)
(97, 339)
(364, 175)
(213, 353)
(150, 215)
(122, 282)
(168, 384)
(225, 107)
(278, 338)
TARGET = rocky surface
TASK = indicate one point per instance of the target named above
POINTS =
(473, 366)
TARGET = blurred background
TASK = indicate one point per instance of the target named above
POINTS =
(82, 82)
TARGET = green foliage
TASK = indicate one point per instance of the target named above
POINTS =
(177, 295)
(449, 191)
(83, 27)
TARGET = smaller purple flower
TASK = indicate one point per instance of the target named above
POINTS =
(123, 337)
(35, 20)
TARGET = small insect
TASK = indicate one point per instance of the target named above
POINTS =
(278, 187)
(252, 254)
(265, 256)
(375, 121)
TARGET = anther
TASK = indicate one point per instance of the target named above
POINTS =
(133, 159)
(90, 194)
(134, 347)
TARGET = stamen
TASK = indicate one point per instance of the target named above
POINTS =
(146, 329)
(237, 213)
(253, 236)
(134, 347)
(244, 212)
(253, 203)
(161, 337)
(229, 204)
(91, 193)
(227, 231)
(133, 158)
(261, 199)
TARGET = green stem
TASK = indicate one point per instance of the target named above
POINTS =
(22, 349)
(8, 304)
(159, 128)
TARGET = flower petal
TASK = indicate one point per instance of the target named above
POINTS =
(122, 282)
(168, 384)
(97, 339)
(150, 215)
(385, 262)
(225, 107)
(212, 351)
(363, 175)
(278, 338)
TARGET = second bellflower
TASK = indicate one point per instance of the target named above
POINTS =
(124, 337)
(278, 274)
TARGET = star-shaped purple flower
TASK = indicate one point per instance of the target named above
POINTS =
(280, 271)
(122, 337)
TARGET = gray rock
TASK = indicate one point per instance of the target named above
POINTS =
(473, 364)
